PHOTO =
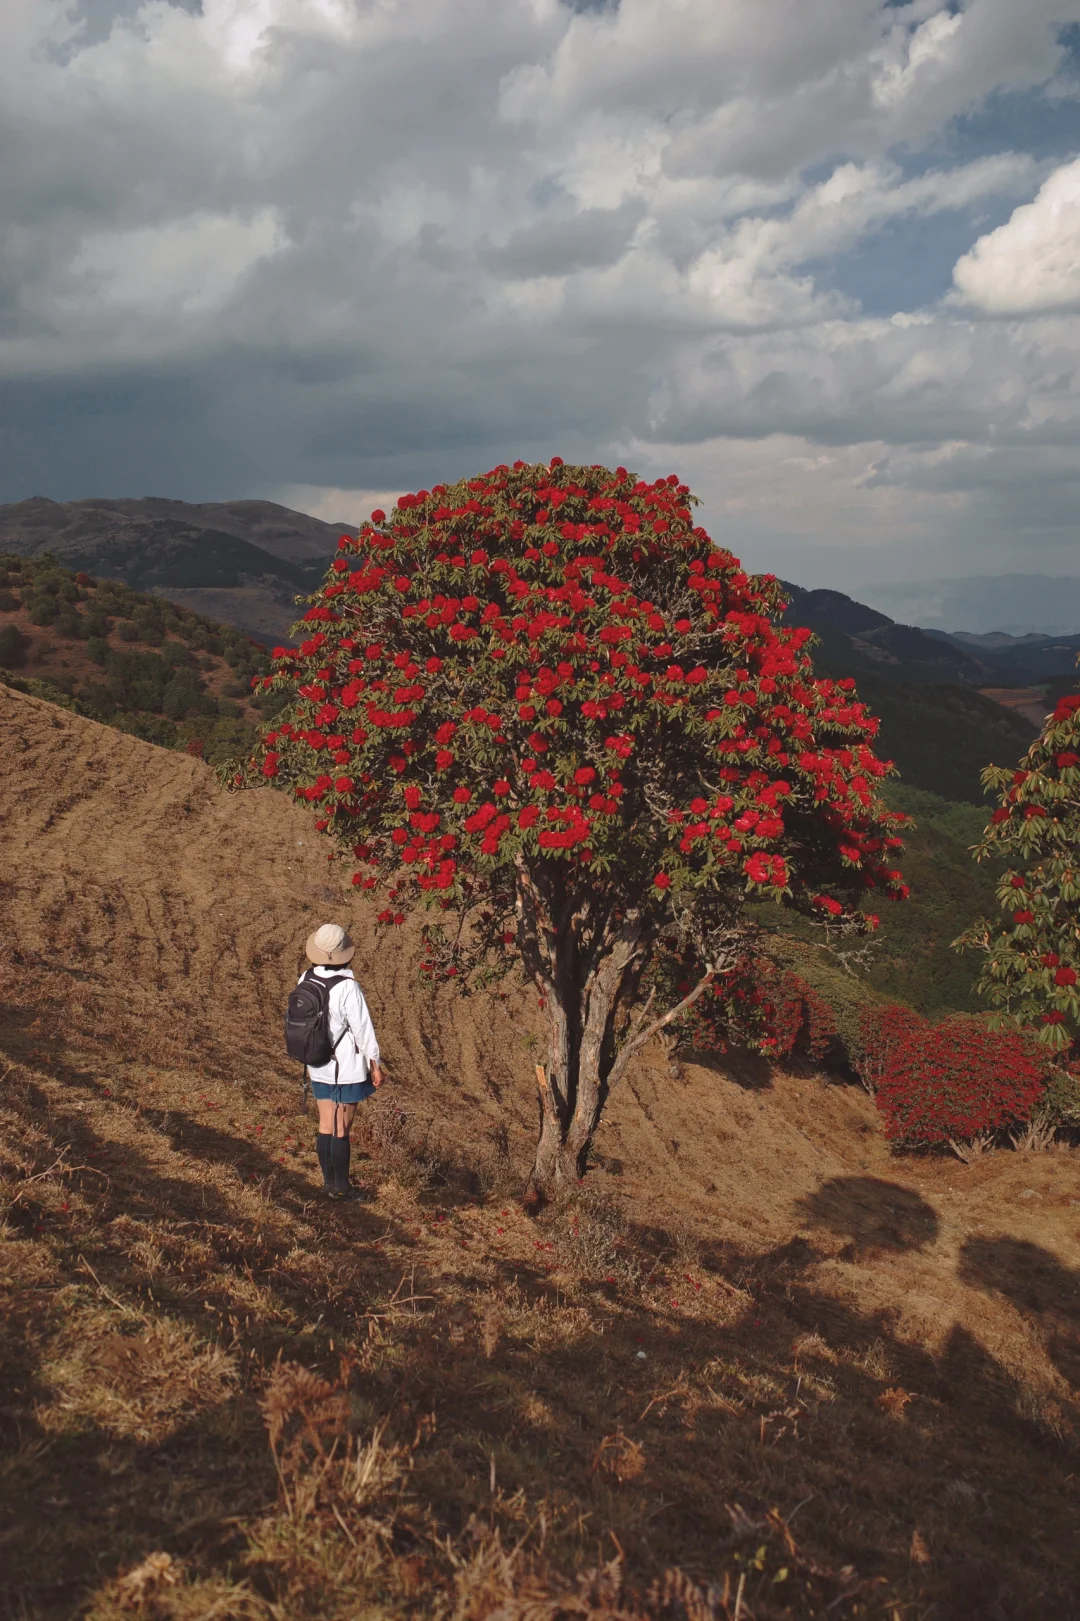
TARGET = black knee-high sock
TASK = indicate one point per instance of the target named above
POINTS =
(323, 1146)
(340, 1154)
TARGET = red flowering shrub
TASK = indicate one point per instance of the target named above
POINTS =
(1031, 977)
(763, 1006)
(947, 1082)
(543, 702)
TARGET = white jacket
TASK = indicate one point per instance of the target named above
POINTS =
(358, 1047)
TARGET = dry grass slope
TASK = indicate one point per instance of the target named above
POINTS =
(761, 1369)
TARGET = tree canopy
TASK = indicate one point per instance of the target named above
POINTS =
(543, 703)
(1031, 976)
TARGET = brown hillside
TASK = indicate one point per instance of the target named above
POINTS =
(887, 1346)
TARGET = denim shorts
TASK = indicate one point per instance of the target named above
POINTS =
(350, 1092)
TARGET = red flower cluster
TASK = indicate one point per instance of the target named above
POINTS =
(949, 1081)
(555, 664)
(765, 1007)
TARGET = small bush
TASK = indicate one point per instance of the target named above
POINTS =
(13, 646)
(271, 704)
(151, 728)
(127, 631)
(96, 695)
(1060, 1103)
(149, 628)
(950, 1082)
(43, 609)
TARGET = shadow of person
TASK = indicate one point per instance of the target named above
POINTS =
(874, 1216)
(1039, 1286)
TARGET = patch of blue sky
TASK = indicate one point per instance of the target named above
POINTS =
(1044, 125)
(95, 20)
(906, 264)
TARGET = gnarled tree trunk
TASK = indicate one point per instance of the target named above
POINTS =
(573, 1090)
(584, 964)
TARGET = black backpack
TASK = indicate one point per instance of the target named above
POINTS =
(307, 1020)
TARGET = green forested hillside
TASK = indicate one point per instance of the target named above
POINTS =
(914, 961)
(910, 958)
(941, 738)
(130, 659)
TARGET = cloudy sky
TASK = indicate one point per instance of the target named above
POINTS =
(821, 257)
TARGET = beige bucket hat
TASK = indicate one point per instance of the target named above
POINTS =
(329, 946)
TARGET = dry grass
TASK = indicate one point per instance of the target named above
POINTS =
(225, 1398)
(760, 1368)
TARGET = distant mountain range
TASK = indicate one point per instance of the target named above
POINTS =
(1017, 604)
(244, 562)
(238, 561)
(860, 639)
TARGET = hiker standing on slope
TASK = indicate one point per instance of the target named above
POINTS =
(342, 1082)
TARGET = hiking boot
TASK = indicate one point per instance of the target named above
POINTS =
(346, 1195)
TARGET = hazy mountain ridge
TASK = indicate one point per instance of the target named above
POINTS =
(982, 604)
(290, 536)
(1026, 658)
(243, 561)
(865, 638)
(860, 638)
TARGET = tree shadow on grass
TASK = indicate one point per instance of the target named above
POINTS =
(1044, 1291)
(875, 1216)
(748, 1070)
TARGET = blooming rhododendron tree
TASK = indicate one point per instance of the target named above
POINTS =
(544, 703)
(1031, 977)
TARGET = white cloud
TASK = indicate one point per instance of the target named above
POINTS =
(186, 267)
(1032, 263)
(352, 507)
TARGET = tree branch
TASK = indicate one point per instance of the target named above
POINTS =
(637, 1041)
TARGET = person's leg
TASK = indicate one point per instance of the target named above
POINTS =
(324, 1139)
(340, 1146)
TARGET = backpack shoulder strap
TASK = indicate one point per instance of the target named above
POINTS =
(337, 979)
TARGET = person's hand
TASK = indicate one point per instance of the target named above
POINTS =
(376, 1075)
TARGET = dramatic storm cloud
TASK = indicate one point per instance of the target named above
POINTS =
(820, 256)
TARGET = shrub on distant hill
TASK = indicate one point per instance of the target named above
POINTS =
(545, 702)
(13, 645)
(1031, 972)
